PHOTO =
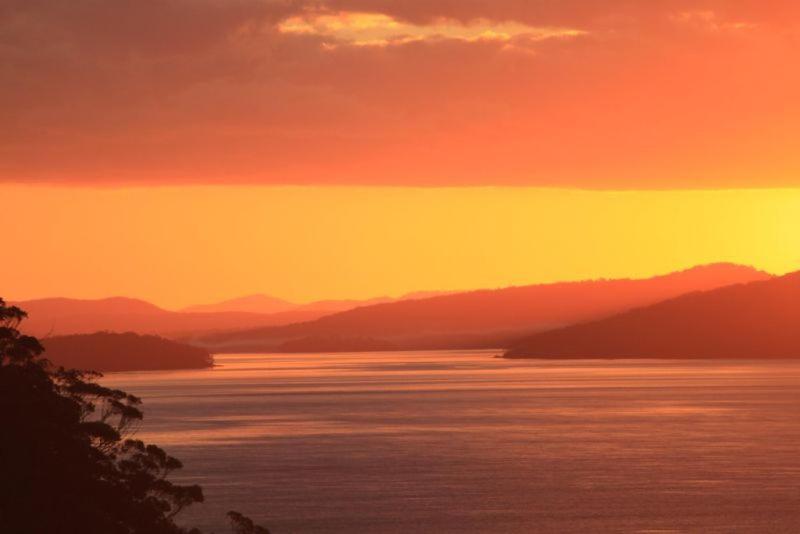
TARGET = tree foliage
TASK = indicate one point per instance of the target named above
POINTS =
(67, 460)
(244, 525)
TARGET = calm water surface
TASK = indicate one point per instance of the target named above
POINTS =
(446, 442)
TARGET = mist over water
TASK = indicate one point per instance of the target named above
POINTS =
(439, 442)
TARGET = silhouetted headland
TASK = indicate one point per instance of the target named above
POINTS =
(755, 320)
(105, 351)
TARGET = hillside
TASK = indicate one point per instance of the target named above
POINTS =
(62, 316)
(104, 351)
(484, 318)
(756, 320)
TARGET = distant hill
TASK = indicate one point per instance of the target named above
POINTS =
(250, 304)
(755, 320)
(486, 318)
(267, 304)
(62, 316)
(334, 306)
(104, 351)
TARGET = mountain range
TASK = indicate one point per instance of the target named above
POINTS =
(475, 319)
(65, 316)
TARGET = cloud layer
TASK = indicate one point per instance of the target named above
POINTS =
(612, 94)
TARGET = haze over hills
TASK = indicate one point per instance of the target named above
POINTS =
(484, 318)
(63, 316)
(250, 303)
(755, 320)
(267, 304)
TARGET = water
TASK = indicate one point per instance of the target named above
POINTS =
(460, 442)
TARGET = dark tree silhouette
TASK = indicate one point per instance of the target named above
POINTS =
(244, 525)
(67, 464)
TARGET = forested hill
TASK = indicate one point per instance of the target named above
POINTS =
(753, 321)
(105, 351)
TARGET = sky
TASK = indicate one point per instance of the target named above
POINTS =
(176, 246)
(191, 150)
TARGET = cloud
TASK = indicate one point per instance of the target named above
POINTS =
(378, 29)
(610, 94)
(709, 21)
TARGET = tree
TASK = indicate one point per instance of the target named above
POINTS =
(244, 525)
(67, 463)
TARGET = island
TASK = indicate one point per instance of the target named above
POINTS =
(109, 351)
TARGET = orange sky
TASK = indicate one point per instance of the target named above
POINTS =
(186, 150)
(178, 246)
(599, 94)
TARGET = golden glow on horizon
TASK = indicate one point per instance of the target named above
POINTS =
(179, 246)
(377, 29)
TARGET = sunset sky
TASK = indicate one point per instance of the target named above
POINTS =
(177, 246)
(185, 151)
